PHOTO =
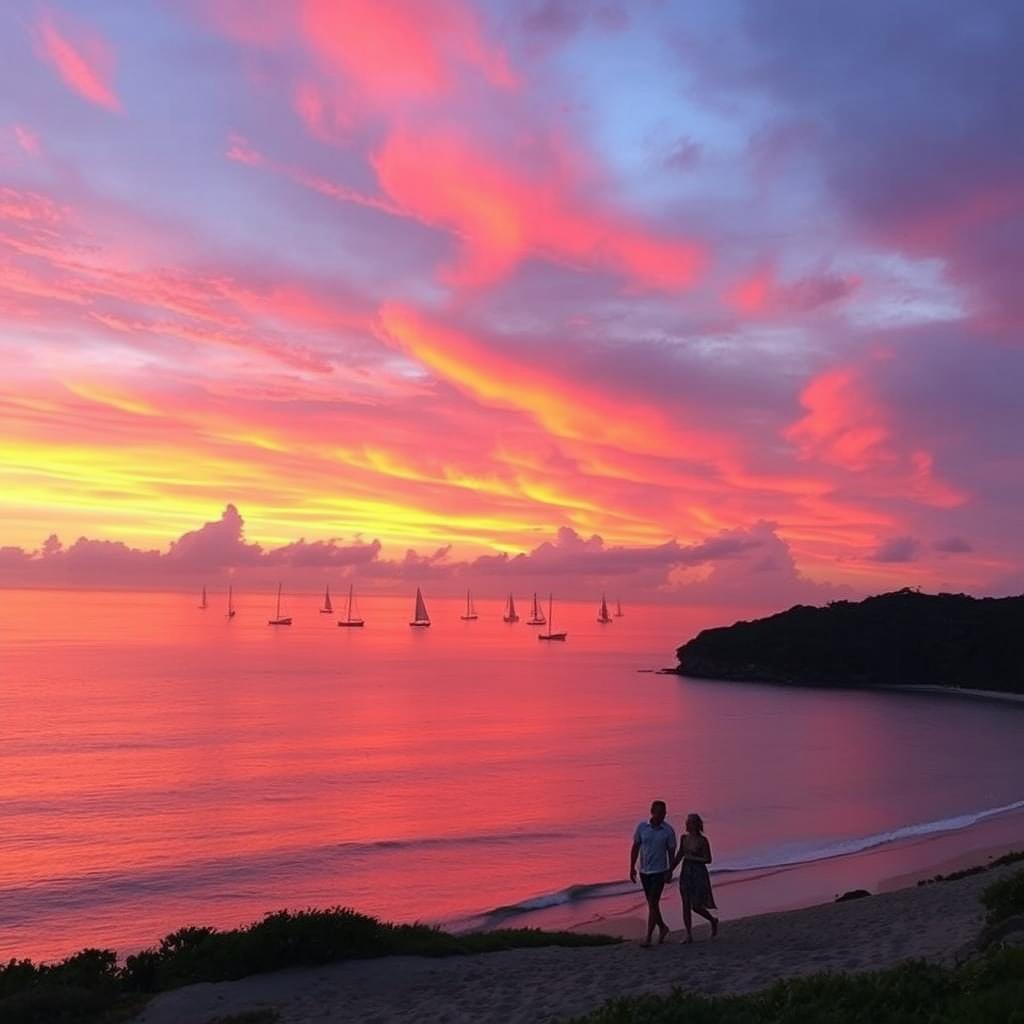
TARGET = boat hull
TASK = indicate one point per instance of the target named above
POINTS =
(286, 621)
(510, 618)
(326, 611)
(552, 636)
(420, 624)
(469, 618)
(353, 623)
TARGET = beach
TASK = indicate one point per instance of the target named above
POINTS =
(937, 922)
(162, 767)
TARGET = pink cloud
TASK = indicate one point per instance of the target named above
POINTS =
(404, 49)
(82, 58)
(502, 216)
(762, 294)
(847, 425)
(320, 113)
(27, 140)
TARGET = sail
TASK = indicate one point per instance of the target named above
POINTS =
(328, 607)
(602, 615)
(618, 608)
(202, 603)
(537, 618)
(421, 608)
(511, 607)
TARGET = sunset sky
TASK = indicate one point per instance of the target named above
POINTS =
(715, 300)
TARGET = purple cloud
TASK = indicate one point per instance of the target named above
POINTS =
(897, 549)
(953, 545)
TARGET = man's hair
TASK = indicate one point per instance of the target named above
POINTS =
(658, 803)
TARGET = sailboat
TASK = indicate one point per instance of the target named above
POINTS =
(537, 616)
(618, 609)
(328, 608)
(420, 616)
(510, 610)
(231, 605)
(602, 615)
(202, 602)
(349, 620)
(549, 635)
(470, 609)
(279, 619)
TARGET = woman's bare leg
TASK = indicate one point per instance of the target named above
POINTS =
(687, 921)
(708, 916)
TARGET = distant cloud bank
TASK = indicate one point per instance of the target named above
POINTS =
(748, 567)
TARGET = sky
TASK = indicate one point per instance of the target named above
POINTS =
(715, 303)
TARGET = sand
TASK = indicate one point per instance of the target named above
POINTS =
(937, 922)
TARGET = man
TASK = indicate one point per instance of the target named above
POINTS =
(655, 841)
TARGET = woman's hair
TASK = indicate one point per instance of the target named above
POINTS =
(697, 820)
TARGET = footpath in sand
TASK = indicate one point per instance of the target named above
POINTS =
(935, 922)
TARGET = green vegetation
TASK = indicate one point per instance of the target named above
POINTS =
(90, 987)
(903, 638)
(997, 862)
(1004, 899)
(988, 989)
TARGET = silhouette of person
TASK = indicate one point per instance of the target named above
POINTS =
(694, 880)
(655, 842)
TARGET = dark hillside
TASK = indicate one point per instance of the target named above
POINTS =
(905, 638)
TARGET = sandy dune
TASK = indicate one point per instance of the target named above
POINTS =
(933, 922)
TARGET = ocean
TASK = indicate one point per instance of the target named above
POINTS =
(161, 765)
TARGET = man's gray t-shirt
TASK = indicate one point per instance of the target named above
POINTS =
(656, 846)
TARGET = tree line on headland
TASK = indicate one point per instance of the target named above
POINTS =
(905, 638)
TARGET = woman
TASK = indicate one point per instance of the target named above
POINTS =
(694, 880)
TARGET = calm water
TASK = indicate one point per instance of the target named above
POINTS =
(162, 766)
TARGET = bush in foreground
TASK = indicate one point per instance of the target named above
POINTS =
(90, 987)
(981, 992)
(1004, 899)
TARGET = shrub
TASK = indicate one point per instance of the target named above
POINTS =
(988, 990)
(1004, 898)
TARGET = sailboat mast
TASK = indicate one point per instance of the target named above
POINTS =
(278, 615)
(348, 615)
(550, 628)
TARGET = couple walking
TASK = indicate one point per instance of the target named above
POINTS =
(655, 843)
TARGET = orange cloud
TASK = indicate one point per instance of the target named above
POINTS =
(503, 218)
(564, 408)
(85, 63)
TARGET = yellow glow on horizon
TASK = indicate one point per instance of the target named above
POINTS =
(102, 396)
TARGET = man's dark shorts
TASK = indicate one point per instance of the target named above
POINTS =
(653, 885)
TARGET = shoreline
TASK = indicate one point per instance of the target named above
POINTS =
(968, 692)
(935, 922)
(742, 894)
(957, 691)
